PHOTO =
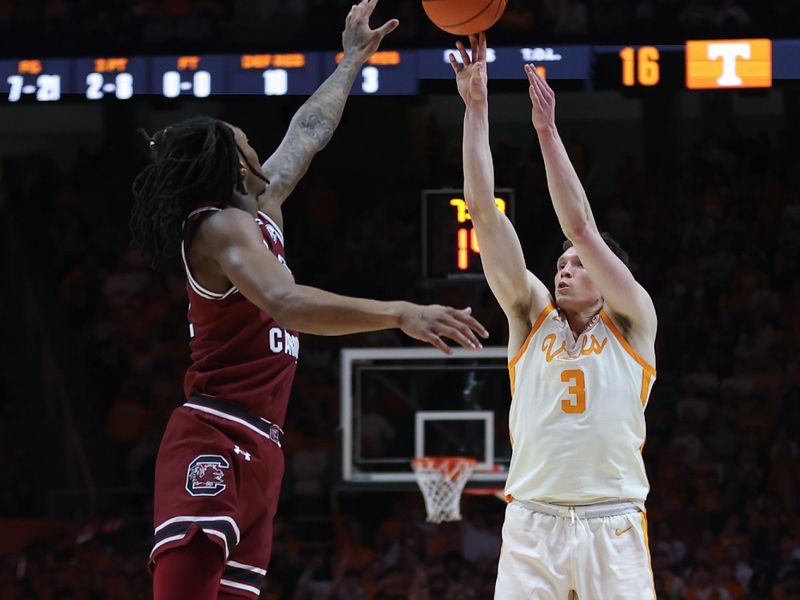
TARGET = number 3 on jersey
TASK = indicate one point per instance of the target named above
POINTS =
(577, 390)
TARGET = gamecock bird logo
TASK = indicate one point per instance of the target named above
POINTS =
(206, 475)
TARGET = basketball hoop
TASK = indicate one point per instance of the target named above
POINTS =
(442, 479)
(498, 493)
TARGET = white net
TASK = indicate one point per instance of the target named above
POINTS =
(442, 479)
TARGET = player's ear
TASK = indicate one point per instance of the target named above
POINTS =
(240, 184)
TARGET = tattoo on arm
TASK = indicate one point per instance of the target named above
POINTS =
(318, 128)
(310, 130)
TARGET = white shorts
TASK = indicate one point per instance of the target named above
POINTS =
(597, 552)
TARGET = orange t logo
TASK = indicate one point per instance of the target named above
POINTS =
(728, 64)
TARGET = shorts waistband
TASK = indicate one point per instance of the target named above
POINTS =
(261, 426)
(588, 511)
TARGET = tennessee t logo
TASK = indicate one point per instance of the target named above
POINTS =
(728, 64)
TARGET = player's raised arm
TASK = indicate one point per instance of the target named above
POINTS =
(234, 243)
(518, 291)
(623, 296)
(315, 121)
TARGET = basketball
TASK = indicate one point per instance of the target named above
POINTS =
(464, 17)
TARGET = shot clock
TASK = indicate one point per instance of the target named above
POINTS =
(450, 248)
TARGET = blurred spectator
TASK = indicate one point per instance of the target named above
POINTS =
(147, 26)
(570, 18)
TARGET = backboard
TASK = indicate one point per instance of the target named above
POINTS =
(403, 403)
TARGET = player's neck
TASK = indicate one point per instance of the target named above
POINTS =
(580, 320)
(246, 202)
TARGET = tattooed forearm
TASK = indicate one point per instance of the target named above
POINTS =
(310, 130)
(321, 113)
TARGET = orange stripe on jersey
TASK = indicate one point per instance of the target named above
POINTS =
(646, 377)
(538, 323)
(625, 344)
(647, 549)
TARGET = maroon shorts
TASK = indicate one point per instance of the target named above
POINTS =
(219, 471)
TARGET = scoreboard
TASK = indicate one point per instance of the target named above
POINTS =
(696, 64)
(450, 249)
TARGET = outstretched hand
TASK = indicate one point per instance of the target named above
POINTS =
(358, 40)
(543, 100)
(431, 323)
(471, 76)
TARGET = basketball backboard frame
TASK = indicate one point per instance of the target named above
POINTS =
(488, 471)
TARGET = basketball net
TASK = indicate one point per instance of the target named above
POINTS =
(442, 479)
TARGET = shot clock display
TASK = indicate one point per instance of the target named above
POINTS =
(450, 248)
(694, 65)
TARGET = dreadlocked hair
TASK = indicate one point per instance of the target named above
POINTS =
(195, 161)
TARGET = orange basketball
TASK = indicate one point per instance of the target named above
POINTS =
(464, 17)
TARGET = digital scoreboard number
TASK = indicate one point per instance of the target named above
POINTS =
(188, 75)
(274, 74)
(41, 80)
(117, 77)
(385, 72)
(638, 67)
(450, 249)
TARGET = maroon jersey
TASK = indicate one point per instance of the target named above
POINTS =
(239, 354)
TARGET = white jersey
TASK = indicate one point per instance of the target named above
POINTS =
(577, 414)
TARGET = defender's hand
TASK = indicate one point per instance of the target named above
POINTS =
(358, 40)
(471, 75)
(543, 100)
(431, 323)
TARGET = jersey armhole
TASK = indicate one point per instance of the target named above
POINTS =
(625, 344)
(272, 222)
(537, 324)
(193, 283)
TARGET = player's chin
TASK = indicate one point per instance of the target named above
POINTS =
(566, 302)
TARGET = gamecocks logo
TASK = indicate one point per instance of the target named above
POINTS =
(206, 475)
